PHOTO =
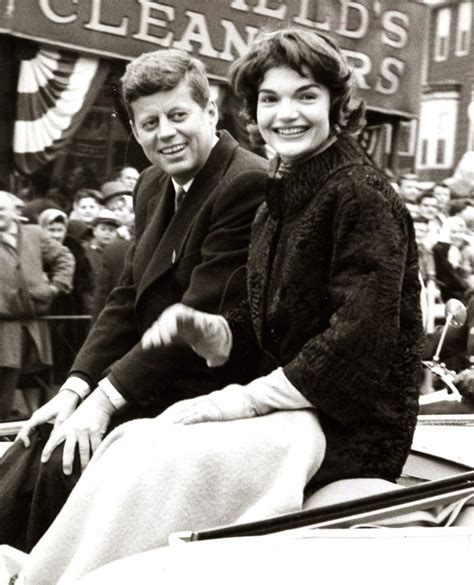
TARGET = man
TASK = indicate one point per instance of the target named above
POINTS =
(442, 193)
(117, 197)
(34, 270)
(193, 207)
(458, 353)
(409, 192)
(87, 205)
(129, 177)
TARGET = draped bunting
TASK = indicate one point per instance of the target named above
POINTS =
(55, 91)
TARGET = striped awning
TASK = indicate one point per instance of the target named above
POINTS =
(55, 91)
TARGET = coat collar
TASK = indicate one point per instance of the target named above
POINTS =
(297, 186)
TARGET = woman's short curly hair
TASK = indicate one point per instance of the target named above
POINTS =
(300, 50)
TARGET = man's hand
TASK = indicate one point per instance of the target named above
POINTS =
(85, 428)
(56, 411)
(208, 335)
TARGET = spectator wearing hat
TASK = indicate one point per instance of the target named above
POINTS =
(35, 269)
(117, 197)
(104, 228)
(68, 335)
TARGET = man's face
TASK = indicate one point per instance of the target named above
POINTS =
(442, 195)
(429, 208)
(8, 212)
(129, 176)
(122, 207)
(87, 209)
(175, 132)
(104, 234)
(409, 190)
(57, 230)
(421, 231)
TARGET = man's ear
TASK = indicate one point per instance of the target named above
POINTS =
(213, 111)
(134, 130)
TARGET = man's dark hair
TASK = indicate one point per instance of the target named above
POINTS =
(84, 193)
(163, 70)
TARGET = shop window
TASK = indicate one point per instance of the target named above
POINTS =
(440, 151)
(424, 152)
(443, 24)
(437, 134)
(407, 138)
(463, 34)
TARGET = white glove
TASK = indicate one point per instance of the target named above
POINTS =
(208, 335)
(261, 396)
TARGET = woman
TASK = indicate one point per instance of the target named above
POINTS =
(329, 340)
(68, 335)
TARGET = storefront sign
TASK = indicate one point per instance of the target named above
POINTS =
(382, 39)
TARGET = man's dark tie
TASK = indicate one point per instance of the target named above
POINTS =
(180, 193)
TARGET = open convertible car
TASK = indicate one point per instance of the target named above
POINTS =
(356, 531)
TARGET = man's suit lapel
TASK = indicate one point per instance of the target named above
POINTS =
(168, 244)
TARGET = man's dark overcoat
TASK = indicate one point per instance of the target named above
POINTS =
(196, 256)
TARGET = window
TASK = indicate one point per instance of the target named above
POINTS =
(440, 151)
(437, 134)
(424, 153)
(463, 34)
(407, 138)
(442, 34)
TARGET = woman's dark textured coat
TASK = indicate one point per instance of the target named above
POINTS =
(334, 299)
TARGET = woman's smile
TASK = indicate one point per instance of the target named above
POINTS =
(292, 132)
(292, 112)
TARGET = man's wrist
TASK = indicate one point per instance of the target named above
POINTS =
(112, 394)
(77, 386)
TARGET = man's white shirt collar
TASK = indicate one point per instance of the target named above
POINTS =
(187, 185)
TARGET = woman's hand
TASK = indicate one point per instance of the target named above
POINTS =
(208, 335)
(230, 403)
(261, 396)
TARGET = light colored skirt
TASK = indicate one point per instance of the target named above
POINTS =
(150, 479)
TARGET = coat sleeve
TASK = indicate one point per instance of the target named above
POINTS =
(341, 370)
(217, 282)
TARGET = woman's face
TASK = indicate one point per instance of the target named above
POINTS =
(292, 112)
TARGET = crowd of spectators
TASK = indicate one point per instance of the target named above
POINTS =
(444, 228)
(96, 226)
(95, 229)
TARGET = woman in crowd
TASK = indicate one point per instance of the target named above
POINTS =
(68, 335)
(329, 339)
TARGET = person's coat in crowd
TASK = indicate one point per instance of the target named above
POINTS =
(27, 271)
(451, 279)
(196, 256)
(68, 335)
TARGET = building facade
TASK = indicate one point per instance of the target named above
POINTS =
(446, 123)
